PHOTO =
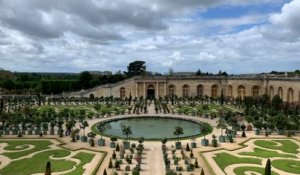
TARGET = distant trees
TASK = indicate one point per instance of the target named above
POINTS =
(200, 73)
(53, 83)
(85, 79)
(136, 68)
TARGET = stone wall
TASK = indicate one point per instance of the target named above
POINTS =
(287, 87)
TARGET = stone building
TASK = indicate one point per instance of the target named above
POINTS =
(288, 88)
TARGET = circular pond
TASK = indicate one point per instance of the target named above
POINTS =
(152, 128)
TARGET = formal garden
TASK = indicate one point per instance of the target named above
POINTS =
(216, 123)
(30, 156)
(252, 157)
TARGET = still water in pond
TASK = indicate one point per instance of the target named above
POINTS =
(153, 128)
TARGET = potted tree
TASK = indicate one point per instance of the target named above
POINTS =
(126, 130)
(52, 124)
(102, 127)
(164, 141)
(193, 144)
(204, 129)
(222, 125)
(177, 132)
(258, 124)
(280, 122)
(45, 128)
(113, 141)
(214, 141)
(92, 135)
(73, 135)
(243, 127)
(83, 125)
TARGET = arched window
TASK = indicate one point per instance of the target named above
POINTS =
(214, 90)
(255, 91)
(185, 90)
(290, 95)
(241, 91)
(200, 90)
(271, 92)
(122, 92)
(280, 92)
(171, 90)
(229, 91)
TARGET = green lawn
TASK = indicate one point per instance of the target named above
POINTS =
(84, 158)
(291, 166)
(19, 145)
(287, 146)
(225, 159)
(266, 153)
(37, 163)
(249, 169)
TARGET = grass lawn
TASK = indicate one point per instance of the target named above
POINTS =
(287, 146)
(19, 145)
(37, 163)
(266, 154)
(291, 166)
(247, 170)
(84, 158)
(225, 159)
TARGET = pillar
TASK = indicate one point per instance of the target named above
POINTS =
(157, 90)
(136, 89)
(144, 89)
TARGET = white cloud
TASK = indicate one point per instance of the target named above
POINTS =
(76, 35)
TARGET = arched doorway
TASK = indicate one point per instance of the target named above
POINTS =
(200, 90)
(150, 91)
(255, 91)
(241, 91)
(185, 90)
(171, 90)
(214, 90)
(122, 92)
(280, 92)
(290, 95)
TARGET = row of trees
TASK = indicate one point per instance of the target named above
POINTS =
(271, 114)
(55, 83)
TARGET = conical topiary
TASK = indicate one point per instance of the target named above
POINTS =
(117, 147)
(268, 167)
(202, 172)
(48, 168)
(187, 147)
(104, 172)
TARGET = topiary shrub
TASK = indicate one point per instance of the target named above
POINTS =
(117, 147)
(187, 148)
(196, 164)
(127, 168)
(114, 155)
(110, 165)
(192, 154)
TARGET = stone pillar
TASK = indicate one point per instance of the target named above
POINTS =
(157, 90)
(144, 90)
(136, 89)
(165, 89)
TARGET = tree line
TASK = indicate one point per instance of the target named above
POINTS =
(56, 83)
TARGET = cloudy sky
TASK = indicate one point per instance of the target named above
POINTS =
(186, 35)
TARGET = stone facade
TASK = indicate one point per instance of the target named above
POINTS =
(288, 88)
